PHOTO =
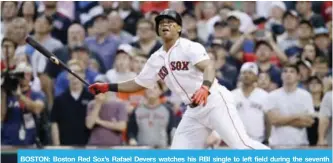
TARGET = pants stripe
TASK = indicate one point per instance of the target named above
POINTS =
(234, 123)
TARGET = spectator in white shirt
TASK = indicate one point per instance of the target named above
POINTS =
(325, 121)
(250, 101)
(290, 111)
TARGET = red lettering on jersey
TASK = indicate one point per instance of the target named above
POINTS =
(178, 65)
(163, 73)
(173, 65)
(185, 65)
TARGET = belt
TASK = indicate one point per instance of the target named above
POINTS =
(192, 105)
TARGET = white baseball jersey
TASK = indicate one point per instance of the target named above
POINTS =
(176, 68)
(251, 111)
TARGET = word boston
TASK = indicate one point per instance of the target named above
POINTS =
(175, 156)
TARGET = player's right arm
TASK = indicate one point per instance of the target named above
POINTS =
(146, 79)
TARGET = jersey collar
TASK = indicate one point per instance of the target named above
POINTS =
(174, 45)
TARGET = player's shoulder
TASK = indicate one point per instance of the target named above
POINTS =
(191, 45)
(157, 53)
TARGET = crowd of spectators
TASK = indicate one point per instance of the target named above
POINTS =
(288, 44)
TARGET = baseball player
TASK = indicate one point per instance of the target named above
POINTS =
(186, 69)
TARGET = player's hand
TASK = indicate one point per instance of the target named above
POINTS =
(98, 88)
(200, 96)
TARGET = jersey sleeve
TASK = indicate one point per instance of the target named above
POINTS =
(198, 53)
(148, 75)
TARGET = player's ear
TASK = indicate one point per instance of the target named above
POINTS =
(179, 28)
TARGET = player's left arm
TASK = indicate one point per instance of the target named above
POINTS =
(207, 67)
(201, 61)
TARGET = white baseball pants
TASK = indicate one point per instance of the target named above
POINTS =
(220, 115)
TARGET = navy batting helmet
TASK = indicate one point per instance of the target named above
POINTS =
(170, 14)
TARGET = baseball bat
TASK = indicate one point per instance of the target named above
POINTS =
(52, 57)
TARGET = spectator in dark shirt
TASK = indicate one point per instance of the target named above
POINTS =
(323, 42)
(304, 8)
(19, 109)
(223, 32)
(60, 24)
(107, 119)
(81, 54)
(130, 16)
(264, 50)
(151, 123)
(69, 111)
(317, 92)
(76, 35)
(147, 40)
(103, 44)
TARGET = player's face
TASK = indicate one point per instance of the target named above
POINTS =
(289, 76)
(248, 77)
(168, 29)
